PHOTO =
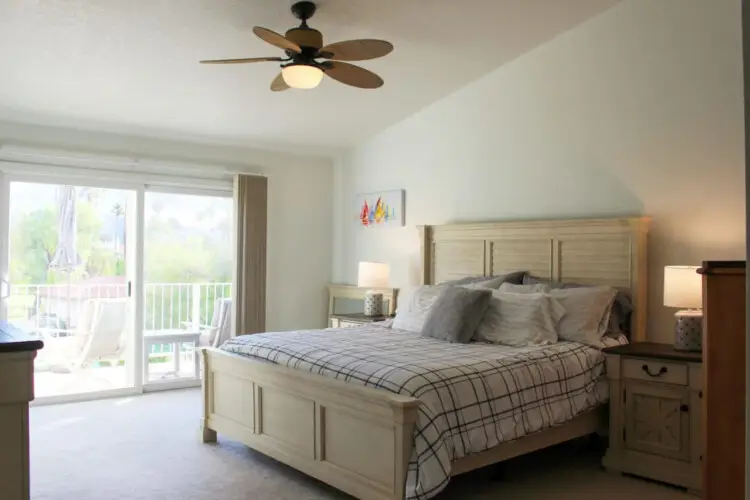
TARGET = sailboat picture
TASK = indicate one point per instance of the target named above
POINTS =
(381, 209)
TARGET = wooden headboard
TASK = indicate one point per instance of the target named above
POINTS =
(588, 251)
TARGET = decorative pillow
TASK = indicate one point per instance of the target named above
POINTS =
(622, 309)
(515, 277)
(456, 314)
(511, 288)
(587, 311)
(493, 283)
(412, 312)
(520, 319)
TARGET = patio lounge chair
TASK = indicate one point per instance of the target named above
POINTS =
(101, 330)
(218, 331)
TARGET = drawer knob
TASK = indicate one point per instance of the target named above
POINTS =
(684, 408)
(661, 371)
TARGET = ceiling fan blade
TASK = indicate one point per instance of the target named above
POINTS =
(275, 39)
(353, 75)
(240, 61)
(356, 50)
(278, 84)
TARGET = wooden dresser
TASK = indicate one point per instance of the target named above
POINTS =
(724, 387)
(17, 353)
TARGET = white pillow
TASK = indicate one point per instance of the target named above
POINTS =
(520, 319)
(412, 313)
(535, 288)
(587, 313)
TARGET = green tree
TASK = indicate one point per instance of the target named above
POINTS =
(33, 240)
(175, 253)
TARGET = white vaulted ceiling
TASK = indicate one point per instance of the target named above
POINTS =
(131, 66)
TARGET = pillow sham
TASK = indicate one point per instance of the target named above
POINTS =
(587, 312)
(412, 312)
(511, 288)
(622, 309)
(515, 277)
(520, 320)
(456, 313)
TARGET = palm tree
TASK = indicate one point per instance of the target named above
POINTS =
(118, 211)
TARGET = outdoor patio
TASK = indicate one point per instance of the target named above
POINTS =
(85, 330)
(54, 382)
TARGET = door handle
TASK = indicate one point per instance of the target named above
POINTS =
(4, 288)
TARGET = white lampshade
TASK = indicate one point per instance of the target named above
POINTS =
(373, 275)
(683, 287)
(302, 76)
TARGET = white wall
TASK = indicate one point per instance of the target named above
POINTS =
(299, 209)
(637, 111)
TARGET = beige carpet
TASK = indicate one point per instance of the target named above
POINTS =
(147, 448)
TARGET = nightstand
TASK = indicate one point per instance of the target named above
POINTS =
(656, 413)
(351, 320)
(346, 315)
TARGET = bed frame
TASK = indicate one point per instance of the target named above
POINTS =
(359, 439)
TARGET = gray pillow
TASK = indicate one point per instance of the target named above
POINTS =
(515, 278)
(622, 308)
(587, 312)
(456, 314)
(520, 319)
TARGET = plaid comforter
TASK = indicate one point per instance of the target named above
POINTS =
(474, 396)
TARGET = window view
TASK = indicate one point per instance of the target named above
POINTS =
(69, 285)
(188, 266)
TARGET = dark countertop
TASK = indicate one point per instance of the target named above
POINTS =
(712, 267)
(13, 339)
(654, 350)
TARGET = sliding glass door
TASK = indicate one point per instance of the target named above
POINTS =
(69, 284)
(122, 284)
(187, 281)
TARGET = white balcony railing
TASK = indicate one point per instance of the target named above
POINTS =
(55, 308)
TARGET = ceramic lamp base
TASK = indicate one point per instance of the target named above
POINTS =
(373, 304)
(688, 331)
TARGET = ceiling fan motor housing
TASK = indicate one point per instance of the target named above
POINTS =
(306, 37)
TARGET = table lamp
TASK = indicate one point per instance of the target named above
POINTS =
(683, 288)
(373, 275)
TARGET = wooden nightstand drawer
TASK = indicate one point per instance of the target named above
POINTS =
(655, 370)
(352, 320)
(348, 324)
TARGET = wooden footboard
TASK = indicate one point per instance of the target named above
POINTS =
(354, 438)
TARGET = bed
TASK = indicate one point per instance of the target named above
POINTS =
(361, 439)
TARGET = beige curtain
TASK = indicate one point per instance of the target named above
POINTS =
(249, 283)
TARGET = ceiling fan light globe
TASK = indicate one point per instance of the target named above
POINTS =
(302, 76)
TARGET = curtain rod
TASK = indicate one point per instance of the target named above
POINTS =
(142, 164)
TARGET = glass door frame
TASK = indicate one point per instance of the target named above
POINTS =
(134, 270)
(188, 191)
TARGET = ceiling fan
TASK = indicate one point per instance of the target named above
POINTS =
(303, 46)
